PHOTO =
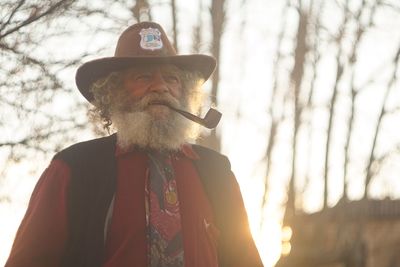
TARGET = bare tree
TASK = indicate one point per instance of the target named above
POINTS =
(378, 129)
(273, 106)
(141, 10)
(339, 72)
(360, 31)
(296, 78)
(315, 43)
(29, 81)
(197, 31)
(217, 12)
(37, 54)
(174, 23)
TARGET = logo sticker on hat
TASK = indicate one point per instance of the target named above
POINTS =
(151, 39)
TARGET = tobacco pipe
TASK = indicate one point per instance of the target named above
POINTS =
(210, 120)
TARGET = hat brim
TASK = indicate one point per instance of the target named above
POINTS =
(93, 70)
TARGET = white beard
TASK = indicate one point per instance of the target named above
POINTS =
(140, 128)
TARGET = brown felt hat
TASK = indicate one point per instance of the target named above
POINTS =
(141, 43)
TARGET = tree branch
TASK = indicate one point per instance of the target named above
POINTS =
(35, 17)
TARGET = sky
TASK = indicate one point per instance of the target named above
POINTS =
(247, 67)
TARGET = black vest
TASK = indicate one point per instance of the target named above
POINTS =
(92, 186)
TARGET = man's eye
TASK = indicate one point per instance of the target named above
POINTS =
(171, 79)
(143, 77)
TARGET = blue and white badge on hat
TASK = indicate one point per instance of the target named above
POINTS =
(150, 39)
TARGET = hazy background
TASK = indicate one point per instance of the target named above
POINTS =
(309, 92)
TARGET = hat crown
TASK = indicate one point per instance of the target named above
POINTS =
(144, 39)
(140, 44)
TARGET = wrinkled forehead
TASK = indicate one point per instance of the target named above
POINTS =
(164, 68)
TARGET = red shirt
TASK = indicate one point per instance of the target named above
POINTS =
(42, 235)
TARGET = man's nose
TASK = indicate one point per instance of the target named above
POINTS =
(158, 84)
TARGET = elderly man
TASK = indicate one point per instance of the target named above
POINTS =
(143, 196)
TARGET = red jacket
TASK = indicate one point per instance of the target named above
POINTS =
(44, 233)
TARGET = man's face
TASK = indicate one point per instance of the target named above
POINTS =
(140, 117)
(153, 85)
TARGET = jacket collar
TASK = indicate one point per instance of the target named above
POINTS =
(186, 150)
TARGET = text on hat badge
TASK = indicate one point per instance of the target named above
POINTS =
(150, 39)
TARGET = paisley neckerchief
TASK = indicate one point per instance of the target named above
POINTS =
(163, 219)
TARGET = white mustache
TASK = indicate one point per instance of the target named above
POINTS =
(161, 99)
(152, 99)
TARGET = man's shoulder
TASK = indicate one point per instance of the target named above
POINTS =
(210, 158)
(203, 151)
(87, 149)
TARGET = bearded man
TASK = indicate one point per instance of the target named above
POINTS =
(143, 196)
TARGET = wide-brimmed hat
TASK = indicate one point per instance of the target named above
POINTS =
(140, 44)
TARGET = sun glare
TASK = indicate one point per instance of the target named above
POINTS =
(286, 248)
(286, 233)
(268, 234)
